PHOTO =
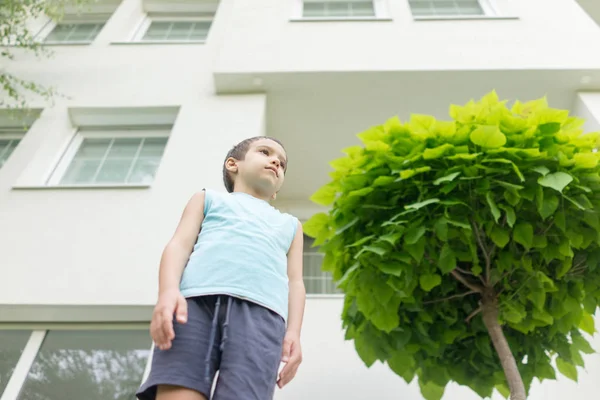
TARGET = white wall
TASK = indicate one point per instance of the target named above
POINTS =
(332, 370)
(587, 106)
(265, 41)
(102, 246)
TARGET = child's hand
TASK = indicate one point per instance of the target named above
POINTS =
(292, 357)
(161, 328)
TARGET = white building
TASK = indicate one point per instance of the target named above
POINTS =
(156, 93)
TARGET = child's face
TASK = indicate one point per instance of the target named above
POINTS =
(264, 166)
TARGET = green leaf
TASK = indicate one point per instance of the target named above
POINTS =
(447, 261)
(447, 178)
(548, 206)
(360, 192)
(488, 136)
(503, 390)
(416, 206)
(587, 324)
(349, 273)
(523, 234)
(557, 181)
(441, 229)
(437, 152)
(493, 206)
(392, 268)
(315, 224)
(500, 236)
(431, 391)
(511, 217)
(401, 363)
(413, 235)
(542, 170)
(429, 281)
(325, 195)
(566, 368)
(383, 180)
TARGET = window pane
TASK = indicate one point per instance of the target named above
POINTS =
(114, 171)
(177, 30)
(153, 147)
(157, 31)
(316, 280)
(81, 33)
(144, 170)
(445, 7)
(12, 344)
(313, 9)
(7, 146)
(91, 365)
(81, 171)
(93, 148)
(124, 148)
(363, 9)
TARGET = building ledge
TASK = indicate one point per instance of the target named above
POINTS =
(158, 42)
(346, 19)
(467, 18)
(79, 187)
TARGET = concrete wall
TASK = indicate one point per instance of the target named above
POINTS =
(525, 34)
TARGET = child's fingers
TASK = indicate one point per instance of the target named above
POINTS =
(181, 310)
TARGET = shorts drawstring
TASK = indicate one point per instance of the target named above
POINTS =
(226, 324)
(213, 332)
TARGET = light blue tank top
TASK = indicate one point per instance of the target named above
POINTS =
(241, 251)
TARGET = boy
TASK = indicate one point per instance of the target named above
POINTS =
(231, 294)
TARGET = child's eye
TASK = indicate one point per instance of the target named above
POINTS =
(265, 152)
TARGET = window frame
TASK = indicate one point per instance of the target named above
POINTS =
(318, 295)
(380, 7)
(143, 27)
(72, 20)
(34, 344)
(11, 134)
(80, 134)
(489, 12)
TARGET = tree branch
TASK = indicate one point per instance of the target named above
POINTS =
(474, 313)
(450, 297)
(486, 255)
(474, 287)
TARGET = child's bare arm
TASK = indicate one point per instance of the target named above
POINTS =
(292, 351)
(173, 261)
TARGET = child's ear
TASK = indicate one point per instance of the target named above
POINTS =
(231, 165)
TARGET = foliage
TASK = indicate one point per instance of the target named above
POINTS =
(16, 36)
(429, 217)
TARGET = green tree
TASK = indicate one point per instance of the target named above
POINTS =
(17, 38)
(452, 239)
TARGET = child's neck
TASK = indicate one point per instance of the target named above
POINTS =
(242, 188)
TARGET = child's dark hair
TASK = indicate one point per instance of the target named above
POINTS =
(239, 153)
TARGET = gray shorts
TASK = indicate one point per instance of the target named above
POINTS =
(240, 339)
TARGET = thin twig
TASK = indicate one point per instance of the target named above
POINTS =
(450, 297)
(474, 313)
(488, 264)
(464, 271)
(461, 279)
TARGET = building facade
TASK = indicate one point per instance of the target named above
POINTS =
(154, 93)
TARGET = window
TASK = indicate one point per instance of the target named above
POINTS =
(165, 29)
(328, 10)
(127, 157)
(12, 344)
(73, 364)
(449, 8)
(316, 9)
(316, 281)
(74, 33)
(187, 31)
(8, 143)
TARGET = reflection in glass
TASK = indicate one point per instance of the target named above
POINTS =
(91, 365)
(12, 344)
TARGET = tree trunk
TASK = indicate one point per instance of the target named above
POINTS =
(509, 365)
